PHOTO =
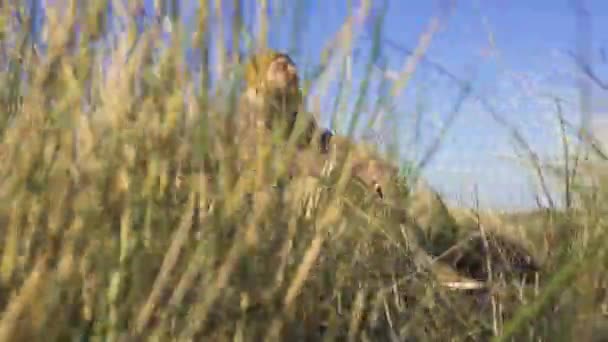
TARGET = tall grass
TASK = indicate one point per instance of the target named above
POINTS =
(123, 216)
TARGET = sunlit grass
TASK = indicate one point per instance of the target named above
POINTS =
(123, 217)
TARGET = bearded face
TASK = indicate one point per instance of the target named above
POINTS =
(281, 86)
(272, 83)
(282, 76)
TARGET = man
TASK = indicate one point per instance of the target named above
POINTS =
(273, 100)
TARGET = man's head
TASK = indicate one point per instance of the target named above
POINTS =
(272, 73)
(272, 92)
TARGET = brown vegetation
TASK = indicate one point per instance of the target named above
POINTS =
(101, 243)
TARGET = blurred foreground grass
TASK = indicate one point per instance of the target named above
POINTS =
(122, 219)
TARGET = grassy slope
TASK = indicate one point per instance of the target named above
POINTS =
(101, 241)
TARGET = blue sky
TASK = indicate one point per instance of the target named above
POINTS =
(512, 50)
